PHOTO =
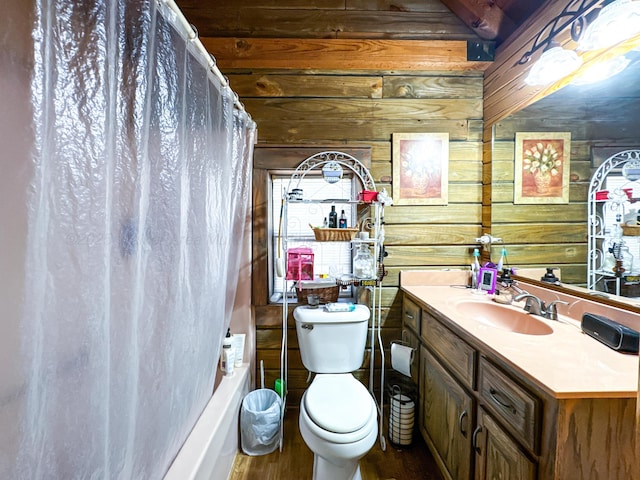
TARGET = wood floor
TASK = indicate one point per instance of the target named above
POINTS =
(295, 462)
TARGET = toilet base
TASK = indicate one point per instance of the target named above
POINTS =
(323, 469)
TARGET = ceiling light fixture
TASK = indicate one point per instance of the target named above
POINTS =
(554, 64)
(602, 71)
(617, 22)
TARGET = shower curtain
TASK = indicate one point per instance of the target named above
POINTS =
(136, 206)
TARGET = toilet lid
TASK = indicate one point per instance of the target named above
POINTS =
(338, 403)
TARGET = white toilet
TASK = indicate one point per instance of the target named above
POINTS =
(338, 415)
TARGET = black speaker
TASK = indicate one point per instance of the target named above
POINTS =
(611, 333)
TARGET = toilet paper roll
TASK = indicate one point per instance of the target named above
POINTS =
(401, 358)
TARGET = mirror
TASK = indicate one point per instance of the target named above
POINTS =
(602, 118)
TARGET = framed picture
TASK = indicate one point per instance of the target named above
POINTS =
(542, 167)
(420, 168)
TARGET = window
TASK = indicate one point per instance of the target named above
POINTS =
(330, 258)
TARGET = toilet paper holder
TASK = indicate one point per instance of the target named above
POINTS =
(402, 356)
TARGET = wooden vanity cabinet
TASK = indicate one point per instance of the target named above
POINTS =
(482, 419)
(454, 385)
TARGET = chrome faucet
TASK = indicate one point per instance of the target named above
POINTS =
(537, 307)
(533, 305)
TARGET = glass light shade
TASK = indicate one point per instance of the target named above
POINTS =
(602, 71)
(616, 22)
(553, 65)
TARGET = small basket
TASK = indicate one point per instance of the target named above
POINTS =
(630, 230)
(327, 294)
(334, 234)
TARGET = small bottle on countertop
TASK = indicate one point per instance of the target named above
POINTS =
(342, 223)
(333, 217)
(325, 223)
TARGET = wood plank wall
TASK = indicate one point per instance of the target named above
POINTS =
(365, 110)
(351, 109)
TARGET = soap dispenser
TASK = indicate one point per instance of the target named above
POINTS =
(550, 277)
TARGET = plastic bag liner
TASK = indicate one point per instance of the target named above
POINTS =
(260, 422)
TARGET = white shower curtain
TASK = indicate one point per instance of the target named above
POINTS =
(136, 210)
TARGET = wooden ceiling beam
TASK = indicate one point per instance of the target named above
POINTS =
(341, 54)
(484, 17)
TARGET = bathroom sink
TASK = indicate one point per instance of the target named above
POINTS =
(503, 317)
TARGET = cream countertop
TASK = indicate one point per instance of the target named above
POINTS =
(566, 363)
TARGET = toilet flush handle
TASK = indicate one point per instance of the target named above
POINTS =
(307, 326)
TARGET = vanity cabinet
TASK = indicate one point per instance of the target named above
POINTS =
(483, 418)
(454, 387)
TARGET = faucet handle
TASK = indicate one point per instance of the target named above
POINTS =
(534, 305)
(552, 309)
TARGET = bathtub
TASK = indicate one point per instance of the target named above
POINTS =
(211, 447)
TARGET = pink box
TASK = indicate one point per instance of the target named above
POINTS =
(299, 264)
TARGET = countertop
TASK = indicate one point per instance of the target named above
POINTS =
(566, 363)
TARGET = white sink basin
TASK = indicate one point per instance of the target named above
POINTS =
(503, 317)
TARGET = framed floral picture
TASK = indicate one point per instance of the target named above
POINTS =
(542, 167)
(420, 168)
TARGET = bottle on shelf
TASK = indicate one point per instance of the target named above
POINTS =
(364, 263)
(227, 359)
(325, 223)
(342, 223)
(333, 217)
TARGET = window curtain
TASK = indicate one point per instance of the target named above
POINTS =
(136, 208)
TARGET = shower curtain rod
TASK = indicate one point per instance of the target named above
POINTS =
(193, 37)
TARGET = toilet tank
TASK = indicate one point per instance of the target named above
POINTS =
(331, 342)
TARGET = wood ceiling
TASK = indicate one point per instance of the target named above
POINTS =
(493, 19)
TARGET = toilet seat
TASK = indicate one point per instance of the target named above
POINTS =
(338, 403)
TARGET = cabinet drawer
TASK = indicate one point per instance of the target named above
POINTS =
(451, 349)
(411, 315)
(516, 409)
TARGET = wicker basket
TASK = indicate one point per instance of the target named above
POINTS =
(630, 230)
(327, 294)
(334, 234)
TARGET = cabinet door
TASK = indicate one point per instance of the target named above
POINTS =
(497, 456)
(412, 340)
(447, 416)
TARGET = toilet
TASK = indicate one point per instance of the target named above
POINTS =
(338, 415)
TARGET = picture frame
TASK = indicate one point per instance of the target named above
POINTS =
(542, 167)
(420, 168)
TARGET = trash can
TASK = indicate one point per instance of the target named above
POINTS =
(260, 422)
